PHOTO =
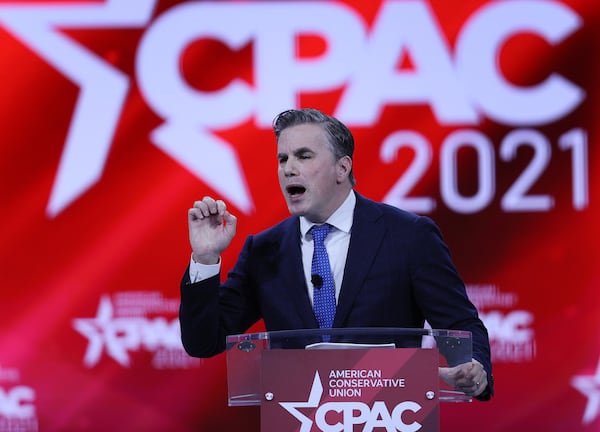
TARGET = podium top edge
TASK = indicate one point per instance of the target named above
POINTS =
(350, 331)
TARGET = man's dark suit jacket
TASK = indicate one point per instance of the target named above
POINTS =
(398, 273)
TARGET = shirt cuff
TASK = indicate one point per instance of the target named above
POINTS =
(200, 272)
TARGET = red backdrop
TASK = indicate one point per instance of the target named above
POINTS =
(116, 115)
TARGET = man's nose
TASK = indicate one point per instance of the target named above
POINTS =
(290, 168)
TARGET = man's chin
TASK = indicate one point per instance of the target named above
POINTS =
(296, 208)
(296, 211)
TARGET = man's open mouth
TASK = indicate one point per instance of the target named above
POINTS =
(294, 190)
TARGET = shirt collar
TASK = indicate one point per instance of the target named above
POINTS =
(341, 219)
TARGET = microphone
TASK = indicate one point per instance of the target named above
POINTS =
(316, 280)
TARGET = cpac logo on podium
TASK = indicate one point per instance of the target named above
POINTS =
(350, 414)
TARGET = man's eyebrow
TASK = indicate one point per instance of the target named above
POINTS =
(302, 150)
(296, 152)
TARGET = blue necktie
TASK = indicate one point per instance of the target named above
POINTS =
(322, 279)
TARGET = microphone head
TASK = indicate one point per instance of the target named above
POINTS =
(316, 280)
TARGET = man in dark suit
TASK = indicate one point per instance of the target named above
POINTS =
(386, 267)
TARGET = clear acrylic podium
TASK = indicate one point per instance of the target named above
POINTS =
(246, 352)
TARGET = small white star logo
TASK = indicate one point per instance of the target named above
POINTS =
(313, 401)
(104, 331)
(589, 386)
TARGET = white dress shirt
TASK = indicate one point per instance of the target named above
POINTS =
(336, 243)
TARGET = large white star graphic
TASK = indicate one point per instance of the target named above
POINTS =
(313, 401)
(103, 92)
(589, 385)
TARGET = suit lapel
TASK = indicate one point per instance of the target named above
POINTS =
(365, 238)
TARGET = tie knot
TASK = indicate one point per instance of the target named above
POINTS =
(319, 232)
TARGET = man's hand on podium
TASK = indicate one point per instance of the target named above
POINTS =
(469, 378)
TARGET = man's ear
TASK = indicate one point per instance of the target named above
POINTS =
(344, 166)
